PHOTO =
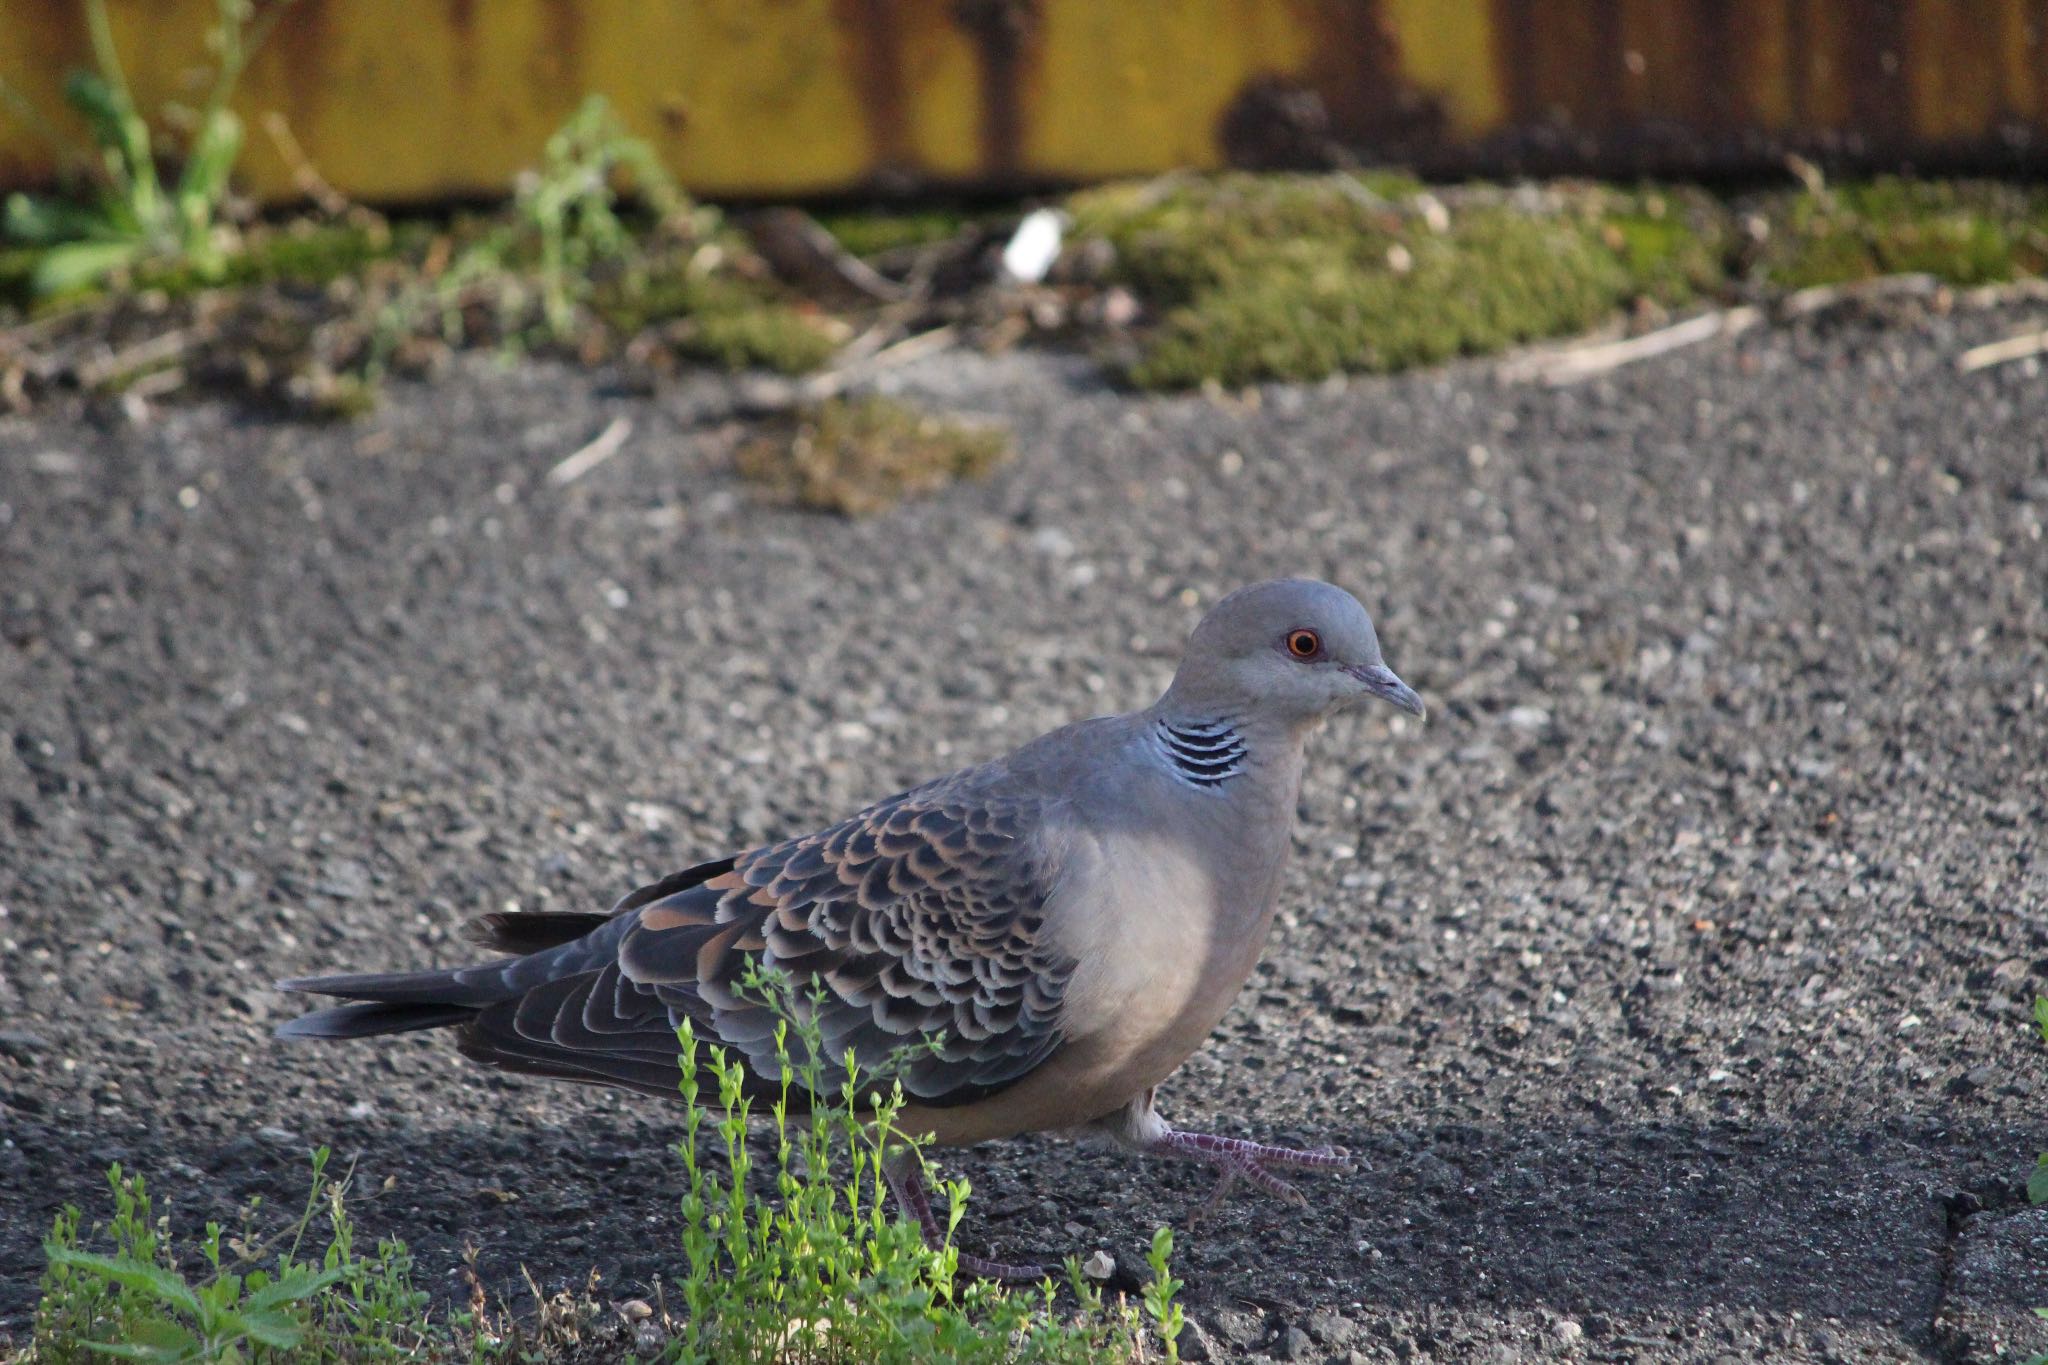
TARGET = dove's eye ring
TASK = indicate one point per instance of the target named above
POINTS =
(1304, 644)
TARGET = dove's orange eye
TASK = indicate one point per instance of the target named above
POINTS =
(1304, 644)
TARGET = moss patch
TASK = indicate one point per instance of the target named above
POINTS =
(861, 456)
(302, 252)
(1250, 278)
(734, 323)
(875, 231)
(1964, 232)
(1299, 277)
(763, 335)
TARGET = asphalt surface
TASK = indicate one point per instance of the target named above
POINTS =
(1672, 981)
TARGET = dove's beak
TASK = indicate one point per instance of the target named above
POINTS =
(1380, 681)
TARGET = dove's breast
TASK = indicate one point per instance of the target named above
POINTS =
(1164, 920)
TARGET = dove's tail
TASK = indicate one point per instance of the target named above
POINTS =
(368, 1020)
(403, 1002)
(561, 1005)
(396, 1002)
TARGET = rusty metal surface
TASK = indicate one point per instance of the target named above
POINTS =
(397, 100)
(1663, 85)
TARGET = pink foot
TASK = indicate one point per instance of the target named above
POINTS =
(1252, 1162)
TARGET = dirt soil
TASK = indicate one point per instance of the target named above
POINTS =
(1672, 981)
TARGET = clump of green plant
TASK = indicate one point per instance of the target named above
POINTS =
(572, 253)
(1963, 232)
(571, 203)
(124, 210)
(249, 1302)
(1300, 277)
(860, 456)
(567, 222)
(823, 1272)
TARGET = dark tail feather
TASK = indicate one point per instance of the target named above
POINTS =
(469, 986)
(370, 1020)
(530, 931)
(436, 997)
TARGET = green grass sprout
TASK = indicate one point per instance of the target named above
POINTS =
(241, 1302)
(127, 208)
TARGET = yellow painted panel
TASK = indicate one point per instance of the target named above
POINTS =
(737, 95)
(942, 92)
(2024, 46)
(1823, 77)
(1447, 51)
(397, 100)
(1954, 95)
(1771, 100)
(1124, 89)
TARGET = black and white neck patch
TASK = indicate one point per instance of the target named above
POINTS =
(1202, 753)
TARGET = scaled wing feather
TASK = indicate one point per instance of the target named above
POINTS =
(920, 918)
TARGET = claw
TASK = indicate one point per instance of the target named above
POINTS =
(1314, 1159)
(1238, 1160)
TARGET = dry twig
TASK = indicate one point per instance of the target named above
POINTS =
(801, 251)
(1572, 365)
(601, 448)
(2027, 289)
(2021, 347)
(131, 360)
(1805, 302)
(306, 179)
(781, 395)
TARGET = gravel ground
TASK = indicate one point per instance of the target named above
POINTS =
(1673, 981)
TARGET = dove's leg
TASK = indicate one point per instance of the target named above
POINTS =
(901, 1171)
(1139, 1126)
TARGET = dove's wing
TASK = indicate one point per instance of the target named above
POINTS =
(923, 915)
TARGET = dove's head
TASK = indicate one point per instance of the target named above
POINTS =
(1295, 649)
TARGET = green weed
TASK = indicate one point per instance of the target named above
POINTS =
(822, 1272)
(572, 258)
(571, 204)
(567, 224)
(126, 210)
(1161, 1293)
(251, 1301)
